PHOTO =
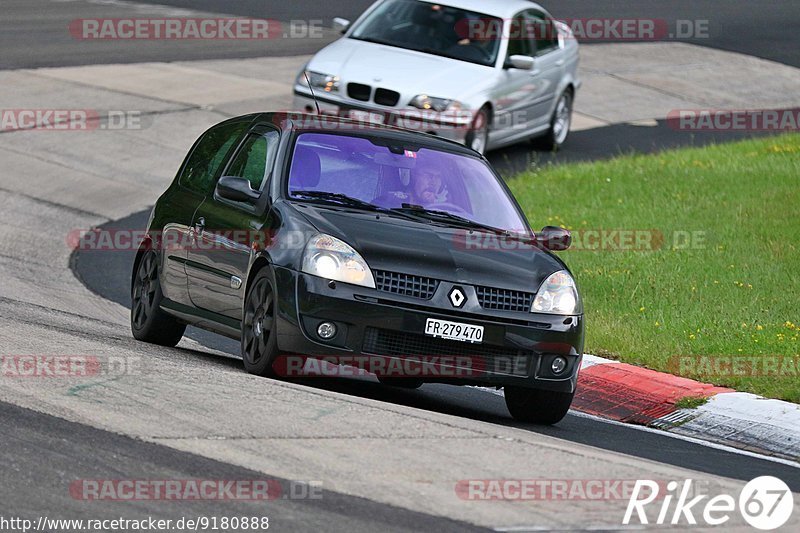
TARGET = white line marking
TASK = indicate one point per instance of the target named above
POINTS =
(615, 527)
(149, 9)
(591, 360)
(716, 446)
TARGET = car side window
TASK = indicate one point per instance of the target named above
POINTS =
(209, 155)
(545, 38)
(254, 159)
(519, 42)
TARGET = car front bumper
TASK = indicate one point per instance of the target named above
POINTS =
(390, 327)
(452, 126)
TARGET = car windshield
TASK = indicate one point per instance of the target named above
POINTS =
(434, 29)
(438, 186)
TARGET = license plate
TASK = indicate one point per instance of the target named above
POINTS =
(367, 116)
(444, 329)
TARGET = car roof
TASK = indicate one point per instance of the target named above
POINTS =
(498, 8)
(300, 122)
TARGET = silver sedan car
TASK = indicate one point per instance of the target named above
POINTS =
(486, 74)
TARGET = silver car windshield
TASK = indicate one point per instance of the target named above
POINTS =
(365, 173)
(434, 29)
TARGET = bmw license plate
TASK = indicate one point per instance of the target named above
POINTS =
(456, 331)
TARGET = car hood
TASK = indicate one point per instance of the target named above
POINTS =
(405, 71)
(441, 252)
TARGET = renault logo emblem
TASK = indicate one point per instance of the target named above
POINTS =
(457, 297)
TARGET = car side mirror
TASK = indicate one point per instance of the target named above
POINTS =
(554, 238)
(236, 189)
(521, 62)
(340, 24)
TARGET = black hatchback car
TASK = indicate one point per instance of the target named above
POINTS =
(321, 239)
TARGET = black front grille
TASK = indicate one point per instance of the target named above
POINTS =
(405, 284)
(359, 91)
(398, 343)
(504, 299)
(387, 97)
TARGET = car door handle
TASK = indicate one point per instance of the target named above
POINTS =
(560, 63)
(200, 225)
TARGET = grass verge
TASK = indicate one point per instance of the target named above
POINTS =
(690, 402)
(711, 290)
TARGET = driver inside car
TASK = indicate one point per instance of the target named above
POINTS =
(426, 187)
(476, 39)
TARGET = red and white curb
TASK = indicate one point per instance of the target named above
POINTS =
(634, 395)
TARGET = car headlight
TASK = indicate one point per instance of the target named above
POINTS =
(327, 82)
(423, 101)
(331, 258)
(558, 295)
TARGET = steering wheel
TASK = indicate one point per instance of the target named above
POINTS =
(471, 50)
(484, 52)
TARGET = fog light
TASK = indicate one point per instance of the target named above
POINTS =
(326, 330)
(559, 365)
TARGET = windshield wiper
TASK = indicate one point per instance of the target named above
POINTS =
(336, 197)
(434, 214)
(349, 201)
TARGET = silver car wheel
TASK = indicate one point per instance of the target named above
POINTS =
(479, 134)
(562, 119)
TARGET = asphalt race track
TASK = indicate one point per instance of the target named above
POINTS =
(71, 447)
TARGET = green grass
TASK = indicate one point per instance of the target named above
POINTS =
(736, 293)
(690, 402)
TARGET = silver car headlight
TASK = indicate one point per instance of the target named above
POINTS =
(327, 82)
(558, 295)
(330, 258)
(423, 101)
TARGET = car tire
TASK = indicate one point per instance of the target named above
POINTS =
(402, 383)
(536, 405)
(259, 340)
(478, 135)
(560, 122)
(148, 322)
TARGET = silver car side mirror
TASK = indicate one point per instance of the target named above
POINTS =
(340, 24)
(521, 62)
